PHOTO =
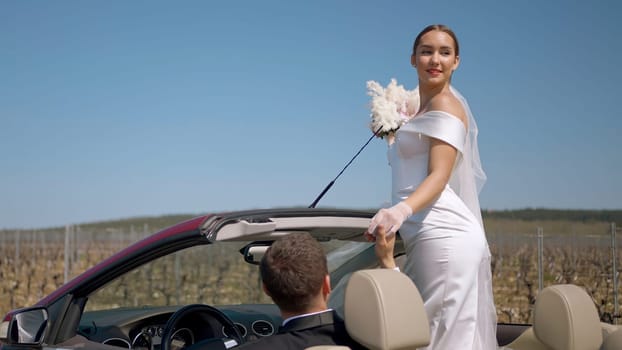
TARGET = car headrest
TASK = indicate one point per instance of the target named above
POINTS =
(383, 310)
(565, 318)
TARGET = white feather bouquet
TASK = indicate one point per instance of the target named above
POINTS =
(391, 106)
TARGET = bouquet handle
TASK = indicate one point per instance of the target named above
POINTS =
(330, 184)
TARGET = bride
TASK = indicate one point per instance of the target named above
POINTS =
(436, 179)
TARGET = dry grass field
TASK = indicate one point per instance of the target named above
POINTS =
(32, 263)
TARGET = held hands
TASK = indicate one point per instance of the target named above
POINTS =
(384, 248)
(391, 219)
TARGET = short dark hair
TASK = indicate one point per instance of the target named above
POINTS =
(293, 270)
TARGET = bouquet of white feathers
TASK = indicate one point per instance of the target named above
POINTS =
(391, 106)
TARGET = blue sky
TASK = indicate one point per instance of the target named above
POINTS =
(115, 109)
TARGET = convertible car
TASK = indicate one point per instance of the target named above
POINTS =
(197, 283)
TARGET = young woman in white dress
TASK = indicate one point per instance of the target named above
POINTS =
(436, 179)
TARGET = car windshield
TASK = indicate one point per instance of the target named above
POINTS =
(214, 274)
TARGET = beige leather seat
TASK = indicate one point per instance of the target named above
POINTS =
(565, 318)
(384, 311)
(613, 341)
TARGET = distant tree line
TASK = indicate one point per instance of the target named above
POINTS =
(532, 214)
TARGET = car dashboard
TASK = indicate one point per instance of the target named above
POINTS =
(142, 328)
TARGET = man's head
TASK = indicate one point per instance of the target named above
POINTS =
(295, 274)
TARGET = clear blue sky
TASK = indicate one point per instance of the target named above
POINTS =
(115, 109)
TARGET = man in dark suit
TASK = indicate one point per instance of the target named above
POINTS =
(295, 275)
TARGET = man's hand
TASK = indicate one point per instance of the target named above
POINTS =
(385, 246)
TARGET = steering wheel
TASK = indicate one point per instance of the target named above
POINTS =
(208, 312)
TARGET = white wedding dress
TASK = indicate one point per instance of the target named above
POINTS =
(447, 254)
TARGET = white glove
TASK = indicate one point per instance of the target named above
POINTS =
(391, 219)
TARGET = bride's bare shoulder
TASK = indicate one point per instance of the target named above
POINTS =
(447, 102)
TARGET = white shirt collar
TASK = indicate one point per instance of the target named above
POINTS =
(304, 315)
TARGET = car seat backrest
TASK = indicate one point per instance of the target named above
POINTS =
(384, 310)
(613, 341)
(565, 318)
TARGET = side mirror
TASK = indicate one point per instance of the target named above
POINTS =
(253, 252)
(25, 326)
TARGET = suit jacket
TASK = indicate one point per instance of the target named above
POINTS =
(325, 328)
